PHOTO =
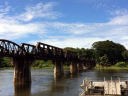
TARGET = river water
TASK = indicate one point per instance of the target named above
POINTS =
(44, 84)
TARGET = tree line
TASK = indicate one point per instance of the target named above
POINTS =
(105, 53)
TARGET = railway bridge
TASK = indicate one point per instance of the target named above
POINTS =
(24, 55)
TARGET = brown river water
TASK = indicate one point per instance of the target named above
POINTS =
(44, 84)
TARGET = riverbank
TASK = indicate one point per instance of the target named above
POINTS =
(114, 67)
(38, 67)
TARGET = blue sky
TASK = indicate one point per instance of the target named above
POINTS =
(64, 23)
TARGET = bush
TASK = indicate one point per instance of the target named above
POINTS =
(42, 64)
(5, 62)
(121, 64)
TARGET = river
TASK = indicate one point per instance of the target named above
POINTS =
(44, 84)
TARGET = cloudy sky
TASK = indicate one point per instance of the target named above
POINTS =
(62, 23)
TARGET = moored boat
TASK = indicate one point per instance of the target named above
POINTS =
(104, 88)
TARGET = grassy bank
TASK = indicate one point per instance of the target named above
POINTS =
(50, 67)
(112, 68)
(40, 64)
(117, 66)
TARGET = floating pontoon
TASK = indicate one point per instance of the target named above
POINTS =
(104, 88)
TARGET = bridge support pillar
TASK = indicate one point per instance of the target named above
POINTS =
(73, 68)
(58, 69)
(22, 90)
(22, 70)
(80, 67)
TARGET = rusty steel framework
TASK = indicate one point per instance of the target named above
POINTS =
(9, 48)
(38, 51)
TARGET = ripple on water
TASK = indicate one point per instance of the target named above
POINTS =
(43, 83)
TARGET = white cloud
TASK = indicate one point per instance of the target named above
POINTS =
(60, 34)
(76, 42)
(40, 10)
(115, 29)
(119, 17)
(76, 28)
(4, 9)
(120, 20)
(119, 12)
(16, 31)
(13, 27)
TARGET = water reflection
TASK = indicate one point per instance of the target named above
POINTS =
(44, 84)
(114, 74)
(22, 90)
(63, 85)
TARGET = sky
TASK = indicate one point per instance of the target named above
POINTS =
(64, 23)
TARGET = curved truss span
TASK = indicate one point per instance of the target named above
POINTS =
(9, 48)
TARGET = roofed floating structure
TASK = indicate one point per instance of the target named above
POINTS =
(104, 88)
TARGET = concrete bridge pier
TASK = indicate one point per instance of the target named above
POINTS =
(22, 70)
(22, 90)
(73, 68)
(80, 67)
(58, 69)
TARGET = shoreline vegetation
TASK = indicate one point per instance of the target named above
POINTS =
(67, 68)
(38, 64)
(49, 65)
(41, 64)
(117, 66)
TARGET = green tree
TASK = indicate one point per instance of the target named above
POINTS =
(121, 64)
(104, 60)
(111, 49)
(70, 49)
(5, 62)
(125, 55)
(85, 55)
(43, 64)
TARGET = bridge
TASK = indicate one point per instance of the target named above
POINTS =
(24, 55)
